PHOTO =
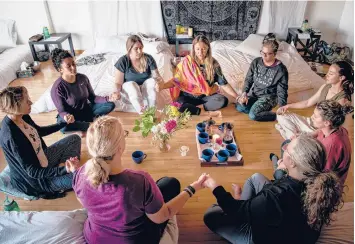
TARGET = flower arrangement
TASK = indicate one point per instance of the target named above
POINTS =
(171, 120)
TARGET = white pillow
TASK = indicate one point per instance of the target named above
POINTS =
(155, 47)
(8, 34)
(113, 44)
(225, 44)
(251, 45)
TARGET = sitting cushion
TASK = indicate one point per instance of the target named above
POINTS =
(65, 227)
(7, 188)
(8, 34)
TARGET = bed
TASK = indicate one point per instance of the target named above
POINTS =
(11, 55)
(235, 57)
(102, 75)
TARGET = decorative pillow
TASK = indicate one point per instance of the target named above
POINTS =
(251, 45)
(8, 34)
(7, 188)
(155, 47)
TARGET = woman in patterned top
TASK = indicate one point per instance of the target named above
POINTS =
(194, 84)
(34, 167)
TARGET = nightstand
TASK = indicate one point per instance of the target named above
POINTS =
(56, 38)
(181, 40)
(308, 48)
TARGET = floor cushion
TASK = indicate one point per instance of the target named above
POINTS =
(7, 188)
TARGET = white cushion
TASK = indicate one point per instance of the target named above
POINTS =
(155, 47)
(225, 44)
(8, 34)
(251, 45)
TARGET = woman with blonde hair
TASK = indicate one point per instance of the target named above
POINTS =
(194, 84)
(124, 205)
(33, 166)
(290, 210)
(137, 74)
(339, 87)
(266, 84)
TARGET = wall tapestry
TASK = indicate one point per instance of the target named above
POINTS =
(218, 20)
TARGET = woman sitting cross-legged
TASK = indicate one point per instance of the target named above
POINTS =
(137, 74)
(74, 97)
(194, 84)
(33, 166)
(266, 84)
(290, 210)
(124, 205)
(339, 87)
(327, 118)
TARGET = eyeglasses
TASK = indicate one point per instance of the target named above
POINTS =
(266, 54)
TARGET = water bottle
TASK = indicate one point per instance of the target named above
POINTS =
(46, 33)
(304, 25)
(10, 205)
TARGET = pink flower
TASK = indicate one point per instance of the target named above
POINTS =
(176, 104)
(219, 141)
(170, 125)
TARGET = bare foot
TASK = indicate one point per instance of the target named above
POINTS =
(236, 191)
(211, 113)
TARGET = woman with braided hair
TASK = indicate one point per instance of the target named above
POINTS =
(291, 210)
(327, 118)
(73, 96)
(33, 166)
(339, 87)
(124, 205)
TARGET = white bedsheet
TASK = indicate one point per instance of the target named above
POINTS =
(10, 61)
(235, 66)
(102, 78)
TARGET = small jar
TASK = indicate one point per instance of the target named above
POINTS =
(190, 32)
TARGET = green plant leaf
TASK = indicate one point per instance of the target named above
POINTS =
(145, 133)
(137, 122)
(136, 128)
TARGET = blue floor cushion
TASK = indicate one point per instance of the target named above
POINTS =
(7, 188)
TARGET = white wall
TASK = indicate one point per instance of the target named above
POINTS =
(345, 32)
(325, 15)
(30, 17)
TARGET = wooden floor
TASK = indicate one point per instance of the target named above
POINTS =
(256, 140)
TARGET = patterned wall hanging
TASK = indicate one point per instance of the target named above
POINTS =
(218, 20)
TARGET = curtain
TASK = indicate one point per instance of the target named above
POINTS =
(122, 17)
(278, 16)
(218, 20)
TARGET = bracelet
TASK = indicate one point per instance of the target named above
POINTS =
(191, 189)
(188, 192)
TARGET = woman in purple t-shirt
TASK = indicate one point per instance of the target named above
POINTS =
(73, 96)
(124, 205)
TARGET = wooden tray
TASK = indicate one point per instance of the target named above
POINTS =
(236, 160)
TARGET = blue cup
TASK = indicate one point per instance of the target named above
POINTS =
(222, 155)
(138, 156)
(232, 149)
(207, 154)
(203, 137)
(201, 127)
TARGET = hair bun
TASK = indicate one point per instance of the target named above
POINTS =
(56, 52)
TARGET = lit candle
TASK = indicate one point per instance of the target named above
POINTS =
(214, 137)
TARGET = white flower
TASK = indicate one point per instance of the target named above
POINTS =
(155, 129)
(163, 131)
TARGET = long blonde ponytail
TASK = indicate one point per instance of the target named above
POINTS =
(103, 142)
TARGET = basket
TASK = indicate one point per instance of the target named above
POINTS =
(25, 73)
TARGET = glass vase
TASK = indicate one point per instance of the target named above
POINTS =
(164, 146)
